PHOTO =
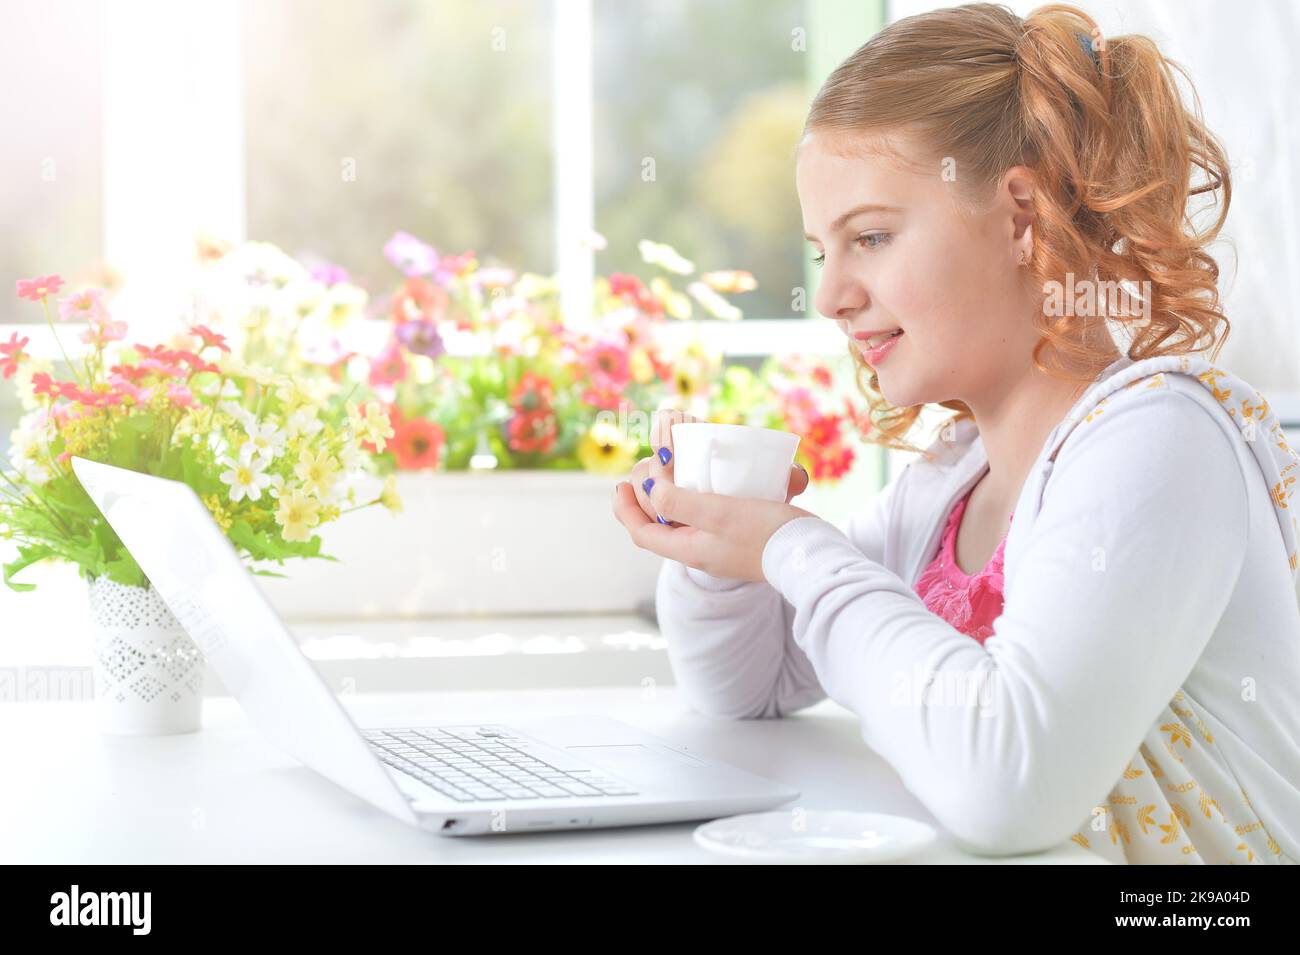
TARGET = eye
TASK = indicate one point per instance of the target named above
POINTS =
(865, 239)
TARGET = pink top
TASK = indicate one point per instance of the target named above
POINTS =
(969, 602)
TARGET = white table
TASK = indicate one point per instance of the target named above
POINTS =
(225, 794)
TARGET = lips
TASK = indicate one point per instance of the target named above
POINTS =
(872, 339)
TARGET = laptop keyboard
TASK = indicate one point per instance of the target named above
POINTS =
(469, 763)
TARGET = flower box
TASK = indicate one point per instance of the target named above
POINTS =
(477, 543)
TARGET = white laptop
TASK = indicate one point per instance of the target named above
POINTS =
(521, 775)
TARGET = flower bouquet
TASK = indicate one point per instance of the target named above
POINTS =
(482, 369)
(269, 458)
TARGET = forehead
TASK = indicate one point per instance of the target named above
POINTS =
(835, 172)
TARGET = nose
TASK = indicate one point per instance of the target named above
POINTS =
(840, 296)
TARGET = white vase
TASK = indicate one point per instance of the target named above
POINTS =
(148, 672)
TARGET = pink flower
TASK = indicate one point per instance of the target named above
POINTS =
(38, 289)
(13, 353)
(100, 333)
(86, 306)
(389, 368)
(128, 390)
(608, 365)
(181, 395)
(411, 255)
(210, 338)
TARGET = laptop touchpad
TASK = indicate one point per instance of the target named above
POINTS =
(628, 756)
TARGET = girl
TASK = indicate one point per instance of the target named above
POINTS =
(1074, 615)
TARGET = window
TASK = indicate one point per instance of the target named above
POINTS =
(433, 118)
(51, 57)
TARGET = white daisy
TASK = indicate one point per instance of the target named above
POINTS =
(245, 476)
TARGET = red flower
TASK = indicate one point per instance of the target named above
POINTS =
(861, 420)
(196, 363)
(829, 462)
(822, 375)
(38, 288)
(632, 289)
(130, 372)
(419, 300)
(13, 354)
(533, 392)
(533, 431)
(42, 383)
(210, 338)
(602, 396)
(417, 443)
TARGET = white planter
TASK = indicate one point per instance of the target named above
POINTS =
(148, 672)
(481, 543)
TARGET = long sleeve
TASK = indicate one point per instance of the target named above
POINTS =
(1134, 556)
(731, 644)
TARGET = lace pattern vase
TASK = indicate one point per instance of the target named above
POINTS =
(148, 672)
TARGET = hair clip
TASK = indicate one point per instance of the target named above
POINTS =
(1091, 44)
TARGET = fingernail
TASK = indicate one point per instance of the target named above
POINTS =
(660, 519)
(665, 455)
(647, 484)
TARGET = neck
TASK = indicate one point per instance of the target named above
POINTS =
(1015, 420)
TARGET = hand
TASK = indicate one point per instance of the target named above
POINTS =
(720, 535)
(652, 468)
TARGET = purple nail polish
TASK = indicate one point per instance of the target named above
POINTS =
(661, 520)
(665, 455)
(647, 484)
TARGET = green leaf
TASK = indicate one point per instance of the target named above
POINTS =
(27, 555)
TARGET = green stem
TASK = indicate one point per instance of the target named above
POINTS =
(45, 305)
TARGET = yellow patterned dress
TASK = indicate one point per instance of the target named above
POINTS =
(1178, 801)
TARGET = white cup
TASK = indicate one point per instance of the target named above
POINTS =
(733, 459)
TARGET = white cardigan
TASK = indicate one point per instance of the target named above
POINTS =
(1140, 693)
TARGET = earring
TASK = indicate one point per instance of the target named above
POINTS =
(1022, 258)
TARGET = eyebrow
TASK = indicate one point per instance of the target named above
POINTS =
(856, 210)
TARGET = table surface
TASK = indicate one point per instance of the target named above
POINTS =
(226, 795)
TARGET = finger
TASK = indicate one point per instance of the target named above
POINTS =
(638, 478)
(627, 509)
(661, 461)
(700, 509)
(680, 544)
(799, 481)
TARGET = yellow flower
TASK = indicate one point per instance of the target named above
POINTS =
(297, 514)
(688, 379)
(378, 428)
(675, 303)
(732, 281)
(604, 449)
(317, 471)
(219, 513)
(389, 496)
(642, 368)
(372, 426)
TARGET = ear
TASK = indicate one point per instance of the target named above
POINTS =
(1017, 191)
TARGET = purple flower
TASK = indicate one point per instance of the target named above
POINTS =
(330, 274)
(411, 255)
(421, 337)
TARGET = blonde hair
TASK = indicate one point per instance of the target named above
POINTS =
(1113, 147)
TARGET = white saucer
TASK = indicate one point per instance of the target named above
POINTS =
(815, 836)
